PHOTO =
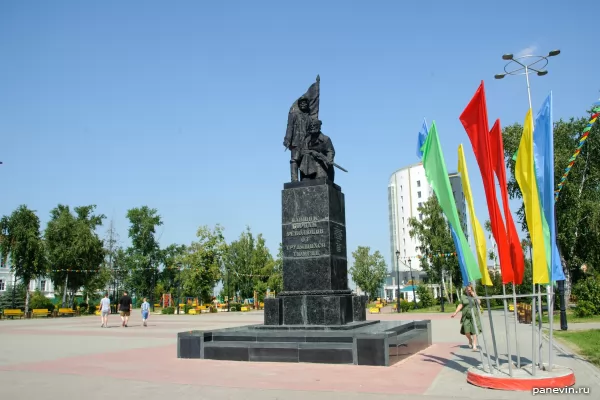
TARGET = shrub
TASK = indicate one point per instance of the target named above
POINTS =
(186, 308)
(234, 306)
(83, 308)
(585, 309)
(168, 310)
(213, 309)
(38, 300)
(588, 291)
(425, 296)
(404, 305)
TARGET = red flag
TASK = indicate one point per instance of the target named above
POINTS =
(516, 251)
(475, 121)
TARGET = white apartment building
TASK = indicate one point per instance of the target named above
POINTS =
(407, 190)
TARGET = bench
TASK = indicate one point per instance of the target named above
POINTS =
(66, 311)
(244, 308)
(40, 312)
(192, 311)
(13, 313)
(374, 310)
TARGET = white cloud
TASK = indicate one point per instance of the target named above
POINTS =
(527, 51)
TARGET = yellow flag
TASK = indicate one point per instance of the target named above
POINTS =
(478, 234)
(525, 175)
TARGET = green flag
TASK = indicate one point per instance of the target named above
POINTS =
(437, 176)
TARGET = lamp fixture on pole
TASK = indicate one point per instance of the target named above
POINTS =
(526, 65)
(412, 282)
(398, 280)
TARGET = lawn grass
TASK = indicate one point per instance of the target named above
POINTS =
(571, 318)
(586, 343)
(448, 308)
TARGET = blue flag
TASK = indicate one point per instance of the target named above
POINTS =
(461, 257)
(421, 139)
(543, 145)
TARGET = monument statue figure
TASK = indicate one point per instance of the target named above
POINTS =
(301, 112)
(317, 153)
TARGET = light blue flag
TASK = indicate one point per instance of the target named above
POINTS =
(461, 257)
(543, 148)
(421, 139)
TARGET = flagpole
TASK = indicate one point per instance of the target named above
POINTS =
(510, 363)
(492, 328)
(516, 322)
(550, 294)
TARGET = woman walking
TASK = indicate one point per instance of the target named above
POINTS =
(467, 325)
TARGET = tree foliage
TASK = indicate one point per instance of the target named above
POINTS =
(249, 265)
(73, 244)
(578, 206)
(201, 263)
(22, 242)
(368, 270)
(142, 258)
(433, 234)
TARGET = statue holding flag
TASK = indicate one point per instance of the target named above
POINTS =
(301, 112)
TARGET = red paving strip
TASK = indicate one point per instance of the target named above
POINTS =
(411, 376)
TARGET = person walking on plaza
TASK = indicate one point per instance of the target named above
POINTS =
(104, 310)
(467, 325)
(125, 309)
(145, 312)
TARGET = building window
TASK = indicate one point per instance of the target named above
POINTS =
(419, 194)
(418, 183)
(2, 288)
(420, 204)
(43, 286)
(420, 216)
(2, 264)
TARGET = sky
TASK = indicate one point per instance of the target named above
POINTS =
(182, 106)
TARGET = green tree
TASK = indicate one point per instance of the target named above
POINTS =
(21, 241)
(434, 236)
(144, 255)
(248, 265)
(201, 263)
(75, 251)
(425, 296)
(168, 277)
(13, 297)
(368, 270)
(578, 206)
(275, 282)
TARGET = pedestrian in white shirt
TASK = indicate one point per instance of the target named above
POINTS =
(104, 310)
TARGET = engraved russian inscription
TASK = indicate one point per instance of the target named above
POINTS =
(338, 235)
(307, 230)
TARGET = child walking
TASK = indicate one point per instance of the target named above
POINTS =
(145, 311)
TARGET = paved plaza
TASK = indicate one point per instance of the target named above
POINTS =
(73, 357)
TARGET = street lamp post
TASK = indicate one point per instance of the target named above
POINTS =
(442, 291)
(398, 280)
(412, 282)
(526, 65)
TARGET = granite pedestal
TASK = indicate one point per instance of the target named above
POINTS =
(315, 267)
(378, 343)
(316, 318)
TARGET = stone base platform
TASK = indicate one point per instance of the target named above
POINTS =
(522, 379)
(379, 343)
